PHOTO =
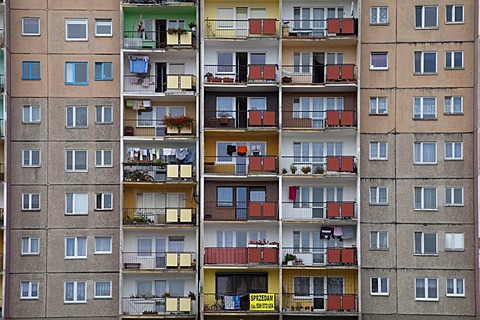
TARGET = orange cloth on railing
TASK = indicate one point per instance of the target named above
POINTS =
(242, 150)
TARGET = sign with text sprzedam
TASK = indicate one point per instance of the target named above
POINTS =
(262, 302)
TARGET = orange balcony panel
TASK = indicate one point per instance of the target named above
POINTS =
(348, 26)
(255, 255)
(255, 164)
(347, 164)
(347, 209)
(347, 72)
(348, 256)
(255, 72)
(269, 209)
(333, 118)
(333, 210)
(255, 209)
(334, 302)
(333, 25)
(333, 163)
(268, 118)
(225, 255)
(347, 118)
(348, 302)
(333, 72)
(269, 72)
(269, 163)
(333, 255)
(255, 118)
(270, 255)
(269, 27)
(255, 26)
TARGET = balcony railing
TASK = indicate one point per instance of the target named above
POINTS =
(252, 255)
(319, 28)
(223, 211)
(158, 216)
(161, 83)
(320, 256)
(153, 306)
(298, 210)
(241, 166)
(2, 171)
(318, 302)
(248, 302)
(158, 173)
(154, 128)
(159, 260)
(2, 83)
(318, 74)
(2, 217)
(241, 28)
(311, 165)
(319, 119)
(241, 119)
(156, 40)
(161, 2)
(235, 74)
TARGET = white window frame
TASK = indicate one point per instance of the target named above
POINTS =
(374, 101)
(74, 195)
(376, 145)
(422, 144)
(76, 246)
(422, 115)
(451, 238)
(422, 24)
(23, 26)
(451, 191)
(102, 119)
(30, 163)
(95, 294)
(73, 161)
(27, 114)
(375, 191)
(100, 158)
(379, 291)
(372, 67)
(27, 251)
(221, 66)
(450, 61)
(75, 290)
(453, 21)
(454, 156)
(225, 25)
(449, 105)
(422, 199)
(74, 117)
(377, 235)
(29, 295)
(422, 244)
(81, 21)
(103, 23)
(30, 196)
(422, 63)
(378, 10)
(455, 287)
(98, 251)
(101, 206)
(426, 298)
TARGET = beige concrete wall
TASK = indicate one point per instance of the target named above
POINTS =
(29, 175)
(28, 309)
(27, 219)
(30, 131)
(374, 258)
(27, 263)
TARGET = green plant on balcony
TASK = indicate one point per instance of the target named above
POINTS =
(176, 30)
(138, 220)
(290, 257)
(319, 170)
(284, 171)
(182, 121)
(306, 169)
(293, 168)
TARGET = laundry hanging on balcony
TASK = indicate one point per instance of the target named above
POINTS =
(231, 149)
(292, 193)
(242, 151)
(348, 233)
(139, 64)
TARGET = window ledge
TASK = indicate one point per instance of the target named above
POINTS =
(455, 205)
(378, 204)
(425, 73)
(426, 300)
(27, 298)
(378, 114)
(454, 68)
(425, 163)
(378, 69)
(379, 249)
(380, 24)
(426, 28)
(380, 294)
(455, 295)
(454, 250)
(424, 119)
(425, 254)
(428, 210)
(453, 114)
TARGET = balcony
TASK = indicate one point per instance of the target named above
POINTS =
(248, 302)
(232, 29)
(163, 217)
(155, 129)
(322, 303)
(141, 261)
(158, 2)
(2, 218)
(241, 166)
(152, 40)
(319, 119)
(252, 119)
(321, 28)
(2, 83)
(241, 74)
(240, 211)
(2, 172)
(312, 211)
(308, 166)
(151, 84)
(319, 256)
(318, 74)
(262, 255)
(158, 173)
(156, 306)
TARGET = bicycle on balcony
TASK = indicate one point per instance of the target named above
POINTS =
(219, 303)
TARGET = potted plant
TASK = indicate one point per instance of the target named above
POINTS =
(284, 171)
(289, 258)
(191, 295)
(319, 170)
(176, 30)
(306, 169)
(166, 295)
(192, 24)
(176, 123)
(293, 168)
(209, 76)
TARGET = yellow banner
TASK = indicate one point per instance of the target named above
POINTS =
(262, 301)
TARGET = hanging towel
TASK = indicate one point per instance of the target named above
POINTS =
(180, 153)
(137, 104)
(139, 64)
(337, 231)
(168, 152)
(231, 149)
(242, 151)
(348, 233)
(292, 193)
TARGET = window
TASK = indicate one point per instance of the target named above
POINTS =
(30, 201)
(103, 289)
(76, 73)
(104, 201)
(31, 158)
(378, 150)
(426, 17)
(379, 286)
(455, 287)
(425, 152)
(30, 245)
(378, 240)
(76, 160)
(453, 150)
(103, 245)
(225, 15)
(76, 29)
(453, 105)
(453, 196)
(378, 15)
(454, 59)
(75, 291)
(454, 241)
(31, 114)
(224, 197)
(31, 70)
(425, 198)
(425, 62)
(426, 289)
(378, 195)
(103, 114)
(30, 26)
(144, 247)
(378, 105)
(75, 247)
(29, 290)
(301, 62)
(103, 27)
(76, 117)
(76, 203)
(424, 108)
(103, 71)
(314, 109)
(378, 61)
(454, 14)
(225, 62)
(425, 243)
(103, 158)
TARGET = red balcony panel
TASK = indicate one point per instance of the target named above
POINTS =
(333, 255)
(333, 210)
(255, 164)
(255, 72)
(347, 72)
(270, 255)
(348, 26)
(255, 26)
(269, 72)
(347, 118)
(347, 209)
(333, 25)
(333, 72)
(269, 118)
(269, 27)
(254, 254)
(255, 209)
(333, 163)
(348, 256)
(348, 302)
(347, 164)
(225, 255)
(269, 163)
(333, 118)
(255, 118)
(334, 302)
(269, 209)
